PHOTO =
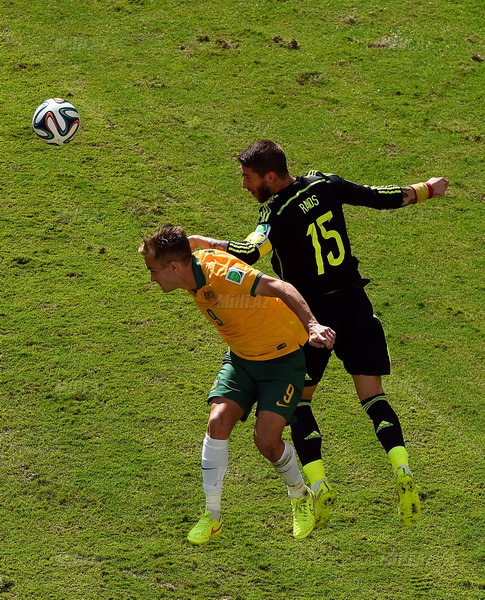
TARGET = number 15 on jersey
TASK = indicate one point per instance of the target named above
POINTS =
(318, 231)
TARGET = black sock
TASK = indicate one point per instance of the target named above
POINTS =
(305, 434)
(386, 422)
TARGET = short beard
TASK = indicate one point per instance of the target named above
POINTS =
(263, 194)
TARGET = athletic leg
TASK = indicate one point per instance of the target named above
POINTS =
(305, 432)
(223, 417)
(307, 439)
(389, 433)
(386, 422)
(267, 436)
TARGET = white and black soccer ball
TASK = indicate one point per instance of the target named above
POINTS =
(56, 121)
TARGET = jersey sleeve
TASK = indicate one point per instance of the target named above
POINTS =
(229, 275)
(380, 197)
(256, 245)
(246, 251)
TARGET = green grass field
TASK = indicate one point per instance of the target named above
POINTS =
(104, 378)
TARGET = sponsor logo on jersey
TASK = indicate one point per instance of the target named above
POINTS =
(257, 239)
(242, 301)
(263, 228)
(210, 295)
(260, 235)
(235, 275)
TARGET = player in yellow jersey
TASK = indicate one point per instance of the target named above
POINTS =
(265, 321)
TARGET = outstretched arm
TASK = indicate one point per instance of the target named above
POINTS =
(318, 335)
(206, 243)
(249, 250)
(433, 188)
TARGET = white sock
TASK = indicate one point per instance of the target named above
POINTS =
(215, 457)
(287, 467)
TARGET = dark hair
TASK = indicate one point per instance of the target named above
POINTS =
(170, 243)
(264, 156)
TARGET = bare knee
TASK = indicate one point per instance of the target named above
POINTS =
(269, 446)
(223, 416)
(216, 426)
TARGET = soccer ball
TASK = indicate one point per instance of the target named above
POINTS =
(56, 121)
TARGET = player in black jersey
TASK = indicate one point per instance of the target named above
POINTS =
(301, 221)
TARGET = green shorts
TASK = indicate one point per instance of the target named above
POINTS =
(274, 385)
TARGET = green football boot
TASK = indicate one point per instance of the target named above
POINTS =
(409, 508)
(324, 500)
(206, 529)
(303, 515)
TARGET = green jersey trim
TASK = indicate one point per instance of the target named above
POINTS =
(256, 281)
(200, 279)
(264, 213)
(297, 194)
(385, 189)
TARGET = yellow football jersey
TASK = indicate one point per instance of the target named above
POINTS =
(254, 327)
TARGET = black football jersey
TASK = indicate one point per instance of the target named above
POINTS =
(306, 228)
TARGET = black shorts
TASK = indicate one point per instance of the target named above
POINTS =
(360, 342)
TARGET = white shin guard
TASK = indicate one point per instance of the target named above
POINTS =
(287, 467)
(215, 457)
